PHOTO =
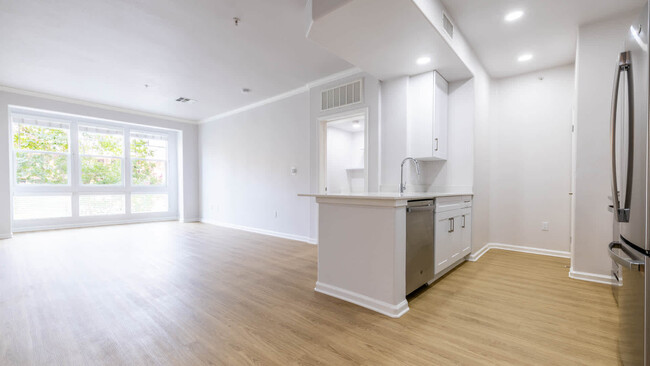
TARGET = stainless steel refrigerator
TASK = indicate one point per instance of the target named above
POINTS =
(630, 249)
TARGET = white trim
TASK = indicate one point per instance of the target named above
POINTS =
(92, 224)
(517, 248)
(592, 277)
(584, 276)
(276, 234)
(478, 254)
(6, 236)
(322, 137)
(57, 98)
(334, 77)
(382, 307)
(190, 220)
(288, 94)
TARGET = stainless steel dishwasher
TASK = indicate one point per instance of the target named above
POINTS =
(419, 244)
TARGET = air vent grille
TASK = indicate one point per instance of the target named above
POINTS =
(185, 100)
(342, 95)
(449, 27)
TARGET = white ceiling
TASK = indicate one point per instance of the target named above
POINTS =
(105, 51)
(385, 38)
(548, 29)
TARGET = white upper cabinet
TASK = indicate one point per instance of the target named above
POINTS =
(427, 116)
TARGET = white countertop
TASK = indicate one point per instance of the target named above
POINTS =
(386, 195)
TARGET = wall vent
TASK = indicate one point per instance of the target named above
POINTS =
(185, 100)
(342, 95)
(449, 27)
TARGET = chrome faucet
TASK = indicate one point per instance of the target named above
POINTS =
(402, 184)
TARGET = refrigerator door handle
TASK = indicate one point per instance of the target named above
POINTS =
(631, 264)
(624, 65)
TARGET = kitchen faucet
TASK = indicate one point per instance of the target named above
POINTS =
(402, 184)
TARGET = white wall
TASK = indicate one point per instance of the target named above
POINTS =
(433, 10)
(530, 167)
(371, 102)
(394, 112)
(190, 170)
(245, 168)
(598, 48)
(455, 174)
(344, 152)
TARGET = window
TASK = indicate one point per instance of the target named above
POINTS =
(42, 152)
(105, 204)
(39, 207)
(143, 203)
(102, 155)
(149, 159)
(70, 170)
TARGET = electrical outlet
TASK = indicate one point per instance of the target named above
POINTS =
(545, 226)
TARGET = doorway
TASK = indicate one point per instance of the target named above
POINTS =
(343, 153)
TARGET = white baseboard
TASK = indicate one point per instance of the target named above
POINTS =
(517, 248)
(584, 276)
(6, 236)
(194, 219)
(479, 253)
(276, 234)
(382, 307)
(592, 277)
(93, 224)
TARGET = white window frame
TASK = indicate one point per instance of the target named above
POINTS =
(75, 188)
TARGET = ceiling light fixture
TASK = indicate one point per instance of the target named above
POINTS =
(423, 60)
(525, 57)
(513, 15)
(356, 124)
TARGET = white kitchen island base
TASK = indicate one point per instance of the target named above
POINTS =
(362, 249)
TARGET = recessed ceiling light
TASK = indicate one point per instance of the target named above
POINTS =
(356, 124)
(513, 15)
(423, 60)
(525, 57)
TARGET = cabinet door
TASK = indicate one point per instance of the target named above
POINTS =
(444, 241)
(466, 246)
(440, 116)
(420, 116)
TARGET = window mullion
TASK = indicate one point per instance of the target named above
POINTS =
(127, 169)
(75, 168)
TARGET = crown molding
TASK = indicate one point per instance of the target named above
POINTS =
(290, 93)
(57, 98)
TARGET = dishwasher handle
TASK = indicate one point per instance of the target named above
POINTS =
(420, 208)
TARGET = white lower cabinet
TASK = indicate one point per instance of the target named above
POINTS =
(453, 231)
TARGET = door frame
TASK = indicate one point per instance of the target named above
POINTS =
(322, 146)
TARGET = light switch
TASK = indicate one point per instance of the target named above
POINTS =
(294, 170)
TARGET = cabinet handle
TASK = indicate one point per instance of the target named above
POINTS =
(436, 140)
(451, 225)
(463, 221)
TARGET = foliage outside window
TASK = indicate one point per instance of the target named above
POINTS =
(148, 160)
(46, 187)
(42, 153)
(102, 153)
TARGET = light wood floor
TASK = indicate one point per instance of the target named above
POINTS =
(192, 294)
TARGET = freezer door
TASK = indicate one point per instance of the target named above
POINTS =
(631, 303)
(629, 147)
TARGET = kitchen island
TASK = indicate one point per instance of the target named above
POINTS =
(362, 247)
